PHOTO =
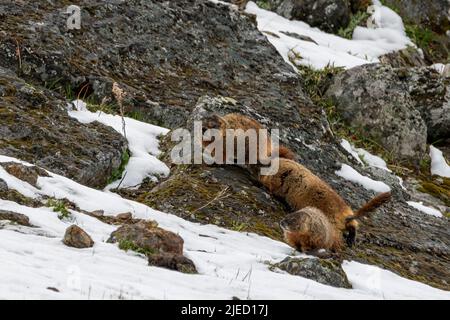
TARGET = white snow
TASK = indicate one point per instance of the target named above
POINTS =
(230, 263)
(352, 175)
(387, 34)
(428, 210)
(142, 144)
(364, 156)
(439, 67)
(439, 165)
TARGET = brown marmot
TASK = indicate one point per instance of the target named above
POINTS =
(309, 229)
(300, 188)
(238, 121)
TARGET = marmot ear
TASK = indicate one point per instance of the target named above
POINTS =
(212, 122)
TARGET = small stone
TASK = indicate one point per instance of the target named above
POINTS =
(124, 216)
(15, 217)
(172, 261)
(28, 174)
(98, 213)
(77, 238)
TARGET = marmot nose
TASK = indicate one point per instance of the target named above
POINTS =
(284, 224)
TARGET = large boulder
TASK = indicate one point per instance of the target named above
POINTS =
(35, 127)
(373, 100)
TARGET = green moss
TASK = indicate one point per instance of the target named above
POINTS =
(440, 191)
(356, 20)
(264, 4)
(130, 245)
(117, 173)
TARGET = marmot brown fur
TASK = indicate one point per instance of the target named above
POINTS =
(309, 229)
(237, 121)
(300, 188)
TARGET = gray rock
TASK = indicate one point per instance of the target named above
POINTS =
(327, 15)
(172, 261)
(3, 186)
(28, 174)
(409, 57)
(433, 14)
(325, 271)
(77, 238)
(431, 94)
(374, 100)
(15, 217)
(35, 127)
(163, 248)
(146, 236)
(199, 48)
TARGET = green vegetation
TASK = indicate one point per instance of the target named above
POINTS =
(130, 245)
(421, 36)
(356, 20)
(60, 207)
(117, 173)
(264, 4)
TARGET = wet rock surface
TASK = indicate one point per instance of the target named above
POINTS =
(325, 271)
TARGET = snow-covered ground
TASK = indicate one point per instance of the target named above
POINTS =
(230, 263)
(387, 34)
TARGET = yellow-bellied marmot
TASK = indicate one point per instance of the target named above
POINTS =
(300, 188)
(236, 121)
(309, 229)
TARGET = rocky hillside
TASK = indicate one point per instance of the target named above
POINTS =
(91, 205)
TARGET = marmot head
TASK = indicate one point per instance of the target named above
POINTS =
(309, 229)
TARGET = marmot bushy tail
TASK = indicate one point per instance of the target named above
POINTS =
(372, 205)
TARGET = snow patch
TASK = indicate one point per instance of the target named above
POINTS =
(364, 156)
(352, 175)
(366, 46)
(142, 143)
(439, 166)
(428, 210)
